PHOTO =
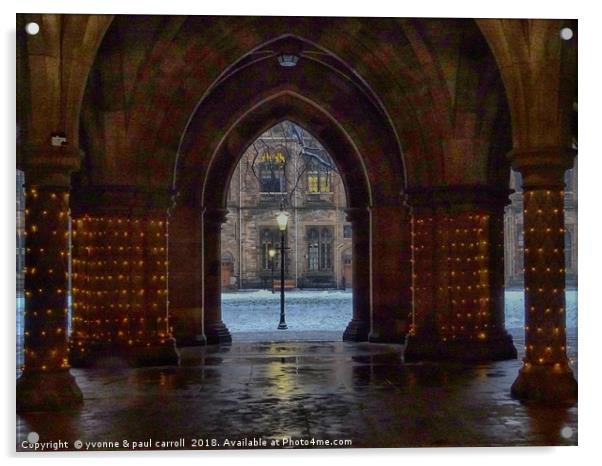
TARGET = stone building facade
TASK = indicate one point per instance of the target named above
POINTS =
(286, 166)
(514, 237)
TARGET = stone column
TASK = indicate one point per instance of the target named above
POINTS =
(359, 326)
(120, 272)
(463, 237)
(499, 338)
(214, 329)
(391, 274)
(185, 277)
(423, 335)
(46, 383)
(546, 375)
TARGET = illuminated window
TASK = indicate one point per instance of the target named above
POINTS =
(272, 172)
(270, 239)
(318, 179)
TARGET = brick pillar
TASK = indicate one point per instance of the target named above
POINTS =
(391, 274)
(462, 234)
(120, 272)
(546, 375)
(46, 383)
(185, 277)
(359, 327)
(214, 329)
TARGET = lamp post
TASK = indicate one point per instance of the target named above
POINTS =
(272, 253)
(282, 220)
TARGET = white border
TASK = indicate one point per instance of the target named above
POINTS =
(589, 259)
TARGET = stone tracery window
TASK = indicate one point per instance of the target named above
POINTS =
(272, 172)
(319, 249)
(520, 250)
(318, 178)
(568, 249)
(269, 239)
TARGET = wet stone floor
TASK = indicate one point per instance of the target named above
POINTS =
(325, 391)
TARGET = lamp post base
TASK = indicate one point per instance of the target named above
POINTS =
(282, 326)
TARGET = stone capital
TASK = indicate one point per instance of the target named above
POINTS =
(214, 217)
(542, 167)
(457, 197)
(356, 215)
(121, 200)
(48, 165)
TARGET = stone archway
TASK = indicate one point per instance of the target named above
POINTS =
(208, 194)
(207, 79)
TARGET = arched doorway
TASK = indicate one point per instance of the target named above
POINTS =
(228, 278)
(286, 169)
(347, 272)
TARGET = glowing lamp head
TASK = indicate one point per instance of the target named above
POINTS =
(282, 220)
(288, 60)
(272, 253)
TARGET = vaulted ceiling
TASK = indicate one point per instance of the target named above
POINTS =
(429, 101)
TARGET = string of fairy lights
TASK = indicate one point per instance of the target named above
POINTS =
(119, 278)
(45, 279)
(545, 317)
(119, 283)
(451, 264)
(451, 261)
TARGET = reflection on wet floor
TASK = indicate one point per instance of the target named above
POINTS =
(322, 390)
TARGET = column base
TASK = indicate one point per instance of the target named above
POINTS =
(86, 355)
(186, 325)
(196, 340)
(543, 384)
(47, 391)
(388, 331)
(431, 348)
(217, 333)
(160, 354)
(357, 330)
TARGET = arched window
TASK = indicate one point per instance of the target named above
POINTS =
(227, 259)
(347, 258)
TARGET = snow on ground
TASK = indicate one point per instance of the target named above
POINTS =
(515, 317)
(316, 315)
(257, 311)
